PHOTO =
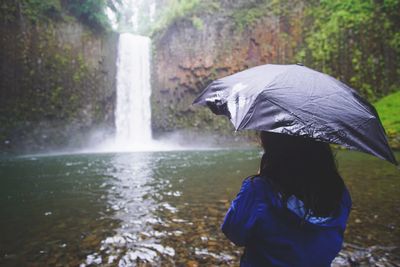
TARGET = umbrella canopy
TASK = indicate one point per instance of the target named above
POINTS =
(296, 100)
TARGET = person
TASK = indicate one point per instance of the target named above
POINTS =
(294, 212)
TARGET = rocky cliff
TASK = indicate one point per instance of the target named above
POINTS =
(57, 83)
(194, 50)
(198, 41)
(57, 74)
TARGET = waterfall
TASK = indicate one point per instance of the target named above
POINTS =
(133, 113)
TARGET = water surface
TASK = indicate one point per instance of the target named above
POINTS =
(160, 208)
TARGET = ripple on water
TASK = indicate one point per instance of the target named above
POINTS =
(161, 209)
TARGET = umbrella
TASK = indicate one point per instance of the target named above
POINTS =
(297, 100)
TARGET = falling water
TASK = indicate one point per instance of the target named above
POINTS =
(133, 114)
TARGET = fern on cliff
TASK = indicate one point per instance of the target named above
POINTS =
(90, 12)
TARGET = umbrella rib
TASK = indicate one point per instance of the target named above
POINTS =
(285, 109)
(243, 124)
(252, 106)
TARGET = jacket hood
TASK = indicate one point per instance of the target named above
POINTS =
(296, 207)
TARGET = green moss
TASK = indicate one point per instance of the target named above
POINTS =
(184, 9)
(56, 95)
(60, 60)
(389, 112)
(175, 10)
(89, 12)
(247, 17)
(8, 11)
(55, 86)
(198, 23)
(33, 11)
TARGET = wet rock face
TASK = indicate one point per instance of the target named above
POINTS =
(187, 58)
(57, 83)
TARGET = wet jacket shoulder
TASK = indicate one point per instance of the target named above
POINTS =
(274, 235)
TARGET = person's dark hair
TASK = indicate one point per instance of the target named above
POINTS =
(304, 168)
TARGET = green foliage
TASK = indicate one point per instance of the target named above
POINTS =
(355, 40)
(8, 11)
(55, 95)
(389, 113)
(37, 9)
(176, 9)
(184, 9)
(91, 12)
(31, 10)
(197, 23)
(248, 16)
(254, 11)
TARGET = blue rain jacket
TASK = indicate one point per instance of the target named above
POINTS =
(274, 235)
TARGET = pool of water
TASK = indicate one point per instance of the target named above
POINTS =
(160, 208)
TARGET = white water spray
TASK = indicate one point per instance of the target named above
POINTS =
(133, 110)
(133, 113)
